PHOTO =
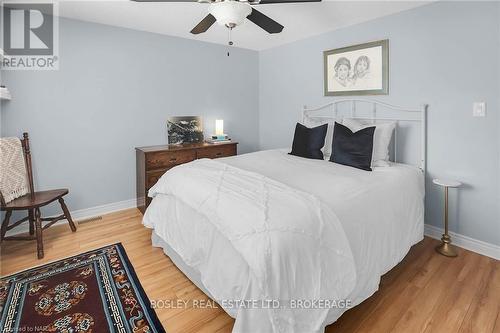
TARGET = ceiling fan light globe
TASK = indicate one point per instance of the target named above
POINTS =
(230, 13)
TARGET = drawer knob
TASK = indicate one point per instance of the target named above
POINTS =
(218, 154)
(173, 159)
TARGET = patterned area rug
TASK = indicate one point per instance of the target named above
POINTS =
(96, 291)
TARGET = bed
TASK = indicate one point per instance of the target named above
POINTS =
(287, 244)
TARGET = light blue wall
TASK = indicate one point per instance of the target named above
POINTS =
(116, 87)
(114, 91)
(445, 54)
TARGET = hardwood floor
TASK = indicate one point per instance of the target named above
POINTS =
(425, 293)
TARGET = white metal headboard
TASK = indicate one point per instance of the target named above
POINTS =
(373, 111)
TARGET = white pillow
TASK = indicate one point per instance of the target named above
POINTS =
(327, 148)
(381, 139)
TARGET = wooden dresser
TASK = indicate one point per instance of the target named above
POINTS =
(153, 161)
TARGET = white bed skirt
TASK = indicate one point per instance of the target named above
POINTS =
(195, 277)
(190, 272)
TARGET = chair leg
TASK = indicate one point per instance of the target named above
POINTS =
(39, 239)
(67, 214)
(31, 218)
(5, 224)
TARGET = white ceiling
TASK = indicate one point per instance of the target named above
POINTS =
(177, 19)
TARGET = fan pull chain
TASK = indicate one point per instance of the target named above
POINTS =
(229, 37)
(230, 42)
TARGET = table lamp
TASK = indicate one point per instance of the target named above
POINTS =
(219, 127)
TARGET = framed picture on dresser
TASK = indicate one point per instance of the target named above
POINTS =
(185, 129)
(357, 70)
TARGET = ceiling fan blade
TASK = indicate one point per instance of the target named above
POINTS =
(264, 2)
(204, 24)
(265, 22)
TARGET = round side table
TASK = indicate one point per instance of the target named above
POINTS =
(445, 248)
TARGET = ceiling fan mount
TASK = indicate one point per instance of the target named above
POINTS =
(232, 13)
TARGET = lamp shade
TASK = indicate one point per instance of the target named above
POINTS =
(5, 93)
(219, 127)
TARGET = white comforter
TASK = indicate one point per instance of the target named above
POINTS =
(380, 212)
(294, 245)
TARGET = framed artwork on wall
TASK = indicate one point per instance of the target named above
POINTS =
(357, 70)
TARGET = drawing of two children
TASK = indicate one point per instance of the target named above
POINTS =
(347, 76)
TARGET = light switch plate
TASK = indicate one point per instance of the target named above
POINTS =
(479, 109)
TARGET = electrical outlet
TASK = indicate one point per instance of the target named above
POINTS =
(479, 109)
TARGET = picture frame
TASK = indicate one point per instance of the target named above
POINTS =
(185, 129)
(361, 69)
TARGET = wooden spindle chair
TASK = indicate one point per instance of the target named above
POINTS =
(32, 202)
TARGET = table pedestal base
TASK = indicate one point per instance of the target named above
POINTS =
(445, 248)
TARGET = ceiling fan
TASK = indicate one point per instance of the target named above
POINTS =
(232, 13)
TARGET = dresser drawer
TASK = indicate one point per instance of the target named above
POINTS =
(153, 176)
(216, 151)
(167, 159)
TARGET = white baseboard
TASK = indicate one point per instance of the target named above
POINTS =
(86, 213)
(471, 244)
(104, 209)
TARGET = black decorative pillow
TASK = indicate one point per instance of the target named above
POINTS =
(307, 142)
(352, 149)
